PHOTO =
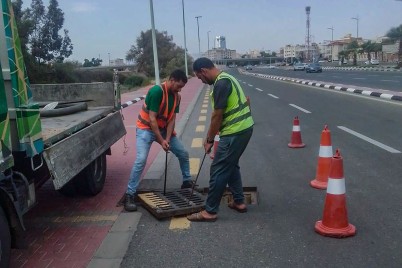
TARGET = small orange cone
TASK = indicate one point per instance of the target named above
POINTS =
(335, 219)
(296, 140)
(324, 160)
(216, 142)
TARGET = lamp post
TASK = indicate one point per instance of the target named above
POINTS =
(357, 23)
(155, 51)
(199, 44)
(208, 42)
(109, 58)
(332, 29)
(185, 43)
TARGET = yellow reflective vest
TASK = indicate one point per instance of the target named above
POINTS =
(237, 114)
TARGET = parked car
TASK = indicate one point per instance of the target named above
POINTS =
(314, 68)
(375, 62)
(248, 67)
(298, 67)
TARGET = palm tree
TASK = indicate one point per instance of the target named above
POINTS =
(354, 48)
(368, 47)
(395, 34)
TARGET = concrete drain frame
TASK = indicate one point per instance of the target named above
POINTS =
(176, 203)
(250, 195)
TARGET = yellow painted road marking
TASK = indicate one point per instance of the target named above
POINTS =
(196, 143)
(92, 218)
(179, 223)
(205, 106)
(200, 128)
(203, 111)
(194, 166)
(202, 118)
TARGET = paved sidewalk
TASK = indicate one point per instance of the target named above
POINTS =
(67, 232)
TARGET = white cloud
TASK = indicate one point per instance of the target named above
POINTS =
(83, 7)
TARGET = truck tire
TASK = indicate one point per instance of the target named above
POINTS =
(5, 240)
(91, 180)
(68, 189)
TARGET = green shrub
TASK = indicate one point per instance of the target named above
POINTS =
(134, 81)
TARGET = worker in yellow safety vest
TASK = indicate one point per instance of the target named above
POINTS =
(231, 117)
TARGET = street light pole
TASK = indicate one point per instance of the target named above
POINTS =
(199, 44)
(332, 42)
(208, 42)
(109, 58)
(155, 51)
(357, 22)
(185, 43)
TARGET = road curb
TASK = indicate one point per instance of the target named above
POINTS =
(365, 92)
(114, 247)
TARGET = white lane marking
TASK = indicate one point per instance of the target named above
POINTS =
(301, 109)
(374, 142)
(244, 82)
(273, 96)
(250, 85)
(389, 81)
(259, 89)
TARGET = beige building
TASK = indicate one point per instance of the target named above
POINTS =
(219, 54)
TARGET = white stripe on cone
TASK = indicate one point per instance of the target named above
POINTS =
(336, 186)
(296, 128)
(325, 151)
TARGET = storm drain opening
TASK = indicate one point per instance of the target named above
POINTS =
(172, 203)
(250, 195)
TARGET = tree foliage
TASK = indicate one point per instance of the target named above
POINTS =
(93, 63)
(39, 28)
(170, 56)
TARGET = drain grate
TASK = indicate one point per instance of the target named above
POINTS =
(173, 203)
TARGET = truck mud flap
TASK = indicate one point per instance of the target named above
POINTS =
(173, 203)
(68, 157)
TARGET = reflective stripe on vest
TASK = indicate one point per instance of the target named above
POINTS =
(237, 115)
(163, 116)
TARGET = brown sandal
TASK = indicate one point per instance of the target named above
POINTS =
(199, 217)
(234, 206)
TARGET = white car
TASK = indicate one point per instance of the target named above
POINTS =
(375, 62)
(298, 67)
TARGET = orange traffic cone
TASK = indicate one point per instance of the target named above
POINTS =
(335, 219)
(324, 160)
(216, 142)
(296, 140)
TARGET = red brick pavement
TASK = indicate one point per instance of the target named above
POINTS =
(66, 232)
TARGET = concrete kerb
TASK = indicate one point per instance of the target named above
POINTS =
(371, 93)
(111, 252)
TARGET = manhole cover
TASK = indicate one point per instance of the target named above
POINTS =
(172, 203)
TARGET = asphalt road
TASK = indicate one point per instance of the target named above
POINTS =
(279, 231)
(372, 79)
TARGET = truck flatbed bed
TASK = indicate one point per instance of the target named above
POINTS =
(57, 128)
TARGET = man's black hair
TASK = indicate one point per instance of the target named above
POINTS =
(202, 63)
(178, 75)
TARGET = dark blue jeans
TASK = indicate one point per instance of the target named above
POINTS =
(225, 170)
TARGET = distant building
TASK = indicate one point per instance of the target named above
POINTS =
(117, 62)
(219, 54)
(299, 52)
(220, 42)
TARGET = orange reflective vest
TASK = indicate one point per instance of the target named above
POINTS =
(163, 117)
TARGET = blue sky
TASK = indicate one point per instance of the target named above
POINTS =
(100, 27)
